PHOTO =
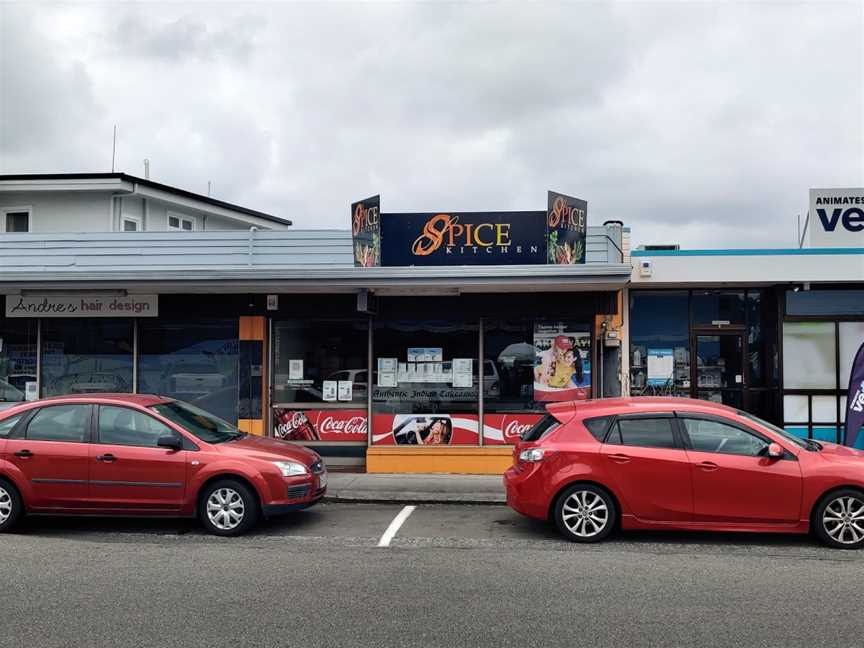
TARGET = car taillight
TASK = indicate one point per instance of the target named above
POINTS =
(533, 455)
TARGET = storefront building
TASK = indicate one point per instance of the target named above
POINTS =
(436, 365)
(773, 331)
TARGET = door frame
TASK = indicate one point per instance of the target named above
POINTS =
(697, 332)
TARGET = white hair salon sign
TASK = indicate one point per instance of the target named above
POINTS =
(82, 305)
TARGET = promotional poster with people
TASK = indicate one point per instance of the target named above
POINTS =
(562, 369)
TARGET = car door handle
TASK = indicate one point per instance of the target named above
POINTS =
(619, 458)
(107, 458)
(24, 454)
(708, 466)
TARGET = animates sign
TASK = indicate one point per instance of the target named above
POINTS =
(836, 217)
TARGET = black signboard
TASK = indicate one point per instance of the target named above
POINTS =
(566, 223)
(464, 238)
(366, 232)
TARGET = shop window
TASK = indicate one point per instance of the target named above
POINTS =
(659, 343)
(426, 383)
(809, 360)
(851, 339)
(17, 359)
(86, 356)
(762, 354)
(193, 361)
(717, 308)
(528, 364)
(796, 409)
(321, 361)
(809, 303)
(824, 409)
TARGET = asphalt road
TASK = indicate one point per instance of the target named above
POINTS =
(452, 576)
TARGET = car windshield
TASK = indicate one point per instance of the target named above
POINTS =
(203, 425)
(801, 443)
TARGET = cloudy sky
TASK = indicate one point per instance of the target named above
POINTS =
(697, 122)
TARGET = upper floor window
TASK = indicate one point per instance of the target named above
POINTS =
(15, 219)
(131, 224)
(180, 223)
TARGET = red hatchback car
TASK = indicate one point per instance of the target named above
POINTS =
(122, 454)
(676, 463)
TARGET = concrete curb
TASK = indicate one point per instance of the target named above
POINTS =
(407, 498)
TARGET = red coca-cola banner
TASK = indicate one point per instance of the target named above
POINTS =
(320, 425)
(425, 429)
(505, 429)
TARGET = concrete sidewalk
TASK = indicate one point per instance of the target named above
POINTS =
(424, 488)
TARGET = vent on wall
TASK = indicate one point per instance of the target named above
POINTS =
(657, 248)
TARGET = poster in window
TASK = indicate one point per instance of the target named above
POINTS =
(562, 366)
(329, 390)
(295, 369)
(320, 425)
(345, 390)
(425, 429)
(661, 367)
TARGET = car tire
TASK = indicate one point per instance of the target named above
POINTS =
(585, 513)
(838, 519)
(228, 508)
(11, 507)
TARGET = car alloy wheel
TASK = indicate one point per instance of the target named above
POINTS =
(6, 505)
(226, 509)
(585, 514)
(843, 519)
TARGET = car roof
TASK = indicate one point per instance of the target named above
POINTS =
(636, 405)
(142, 400)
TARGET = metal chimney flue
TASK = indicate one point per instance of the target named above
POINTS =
(146, 168)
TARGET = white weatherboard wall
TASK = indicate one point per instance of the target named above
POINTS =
(63, 211)
(737, 267)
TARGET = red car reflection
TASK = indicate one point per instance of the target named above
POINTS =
(676, 463)
(122, 454)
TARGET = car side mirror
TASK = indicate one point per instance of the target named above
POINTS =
(170, 441)
(775, 451)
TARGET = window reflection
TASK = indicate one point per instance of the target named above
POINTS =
(17, 358)
(86, 356)
(193, 361)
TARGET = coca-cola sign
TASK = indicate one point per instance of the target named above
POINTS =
(320, 425)
(506, 429)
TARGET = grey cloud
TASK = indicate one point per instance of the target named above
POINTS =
(702, 121)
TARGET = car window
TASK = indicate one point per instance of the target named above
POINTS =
(597, 426)
(643, 432)
(128, 427)
(541, 428)
(713, 436)
(6, 425)
(60, 423)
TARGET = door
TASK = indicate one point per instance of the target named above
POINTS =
(650, 468)
(127, 469)
(733, 480)
(719, 368)
(51, 455)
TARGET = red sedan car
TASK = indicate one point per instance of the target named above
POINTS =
(676, 463)
(123, 454)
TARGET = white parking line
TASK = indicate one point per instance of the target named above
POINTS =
(397, 522)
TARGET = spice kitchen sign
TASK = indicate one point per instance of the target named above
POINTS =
(554, 236)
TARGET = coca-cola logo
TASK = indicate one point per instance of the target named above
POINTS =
(515, 429)
(353, 425)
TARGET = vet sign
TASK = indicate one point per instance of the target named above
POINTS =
(836, 218)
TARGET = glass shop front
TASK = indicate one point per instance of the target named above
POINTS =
(430, 371)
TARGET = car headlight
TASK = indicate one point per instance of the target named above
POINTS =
(534, 454)
(291, 468)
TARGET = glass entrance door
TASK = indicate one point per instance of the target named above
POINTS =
(719, 368)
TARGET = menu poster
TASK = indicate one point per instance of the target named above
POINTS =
(387, 379)
(295, 370)
(387, 364)
(329, 390)
(462, 372)
(345, 390)
(562, 366)
(661, 366)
